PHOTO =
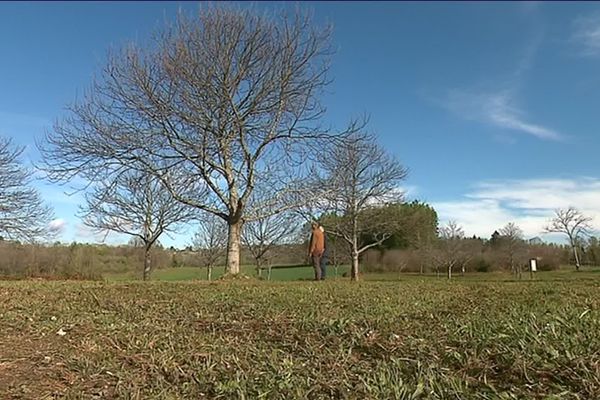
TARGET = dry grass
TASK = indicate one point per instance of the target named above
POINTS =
(404, 340)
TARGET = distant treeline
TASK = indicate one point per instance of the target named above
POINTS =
(418, 244)
(93, 261)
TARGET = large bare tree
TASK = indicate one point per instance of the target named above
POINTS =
(360, 178)
(572, 223)
(136, 204)
(219, 104)
(23, 214)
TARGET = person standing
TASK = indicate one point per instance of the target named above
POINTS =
(325, 256)
(316, 248)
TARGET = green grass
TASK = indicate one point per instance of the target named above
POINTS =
(417, 338)
(192, 273)
(306, 273)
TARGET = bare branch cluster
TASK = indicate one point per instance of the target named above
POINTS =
(134, 203)
(261, 236)
(23, 214)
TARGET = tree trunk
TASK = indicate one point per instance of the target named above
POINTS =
(233, 247)
(354, 246)
(354, 268)
(576, 257)
(421, 268)
(209, 272)
(450, 271)
(147, 262)
(258, 270)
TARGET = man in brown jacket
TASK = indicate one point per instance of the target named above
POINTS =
(316, 249)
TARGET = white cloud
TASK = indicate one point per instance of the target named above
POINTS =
(58, 226)
(529, 203)
(407, 191)
(496, 109)
(586, 34)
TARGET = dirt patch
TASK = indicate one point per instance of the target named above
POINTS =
(31, 369)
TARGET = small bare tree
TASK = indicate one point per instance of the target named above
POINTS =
(210, 241)
(222, 103)
(451, 247)
(260, 237)
(572, 223)
(23, 214)
(511, 240)
(135, 204)
(360, 178)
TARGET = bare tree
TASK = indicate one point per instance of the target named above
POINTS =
(451, 247)
(135, 204)
(572, 223)
(210, 241)
(361, 177)
(260, 237)
(222, 103)
(23, 214)
(511, 240)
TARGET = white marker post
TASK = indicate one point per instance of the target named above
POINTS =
(532, 267)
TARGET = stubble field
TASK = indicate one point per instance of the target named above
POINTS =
(415, 339)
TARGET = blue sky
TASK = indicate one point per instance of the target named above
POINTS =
(492, 106)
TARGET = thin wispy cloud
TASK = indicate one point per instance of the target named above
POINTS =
(497, 109)
(529, 202)
(85, 234)
(586, 34)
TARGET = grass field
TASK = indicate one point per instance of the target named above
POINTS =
(194, 273)
(417, 338)
(306, 273)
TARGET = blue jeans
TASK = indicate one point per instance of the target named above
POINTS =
(323, 266)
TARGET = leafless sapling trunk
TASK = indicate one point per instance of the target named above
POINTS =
(451, 246)
(222, 103)
(572, 223)
(23, 214)
(361, 177)
(511, 239)
(260, 237)
(210, 241)
(135, 204)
